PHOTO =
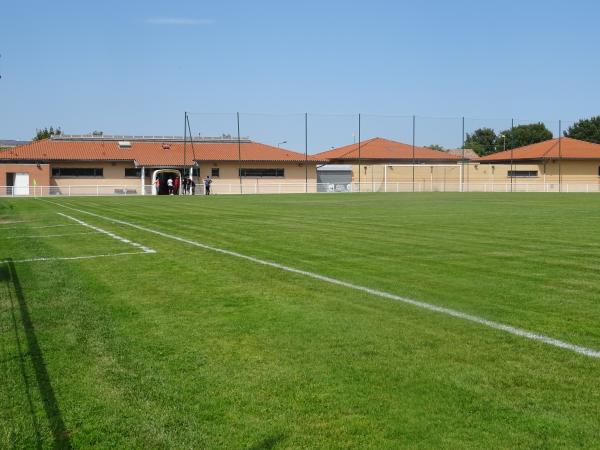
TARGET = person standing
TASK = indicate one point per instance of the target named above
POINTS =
(207, 182)
(176, 185)
(192, 187)
(157, 184)
(170, 186)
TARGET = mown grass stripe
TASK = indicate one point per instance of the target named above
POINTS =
(423, 305)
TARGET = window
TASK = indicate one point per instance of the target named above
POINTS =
(599, 171)
(77, 172)
(522, 173)
(133, 172)
(214, 172)
(261, 172)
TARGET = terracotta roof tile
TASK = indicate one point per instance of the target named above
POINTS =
(150, 153)
(385, 149)
(569, 149)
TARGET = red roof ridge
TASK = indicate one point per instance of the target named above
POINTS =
(383, 148)
(570, 149)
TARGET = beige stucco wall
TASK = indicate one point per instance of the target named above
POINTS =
(39, 175)
(479, 176)
(113, 178)
(585, 171)
(228, 180)
(575, 175)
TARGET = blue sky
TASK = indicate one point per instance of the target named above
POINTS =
(134, 67)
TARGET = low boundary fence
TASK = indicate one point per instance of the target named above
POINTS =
(297, 188)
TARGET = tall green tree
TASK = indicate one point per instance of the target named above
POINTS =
(482, 141)
(46, 133)
(522, 135)
(585, 130)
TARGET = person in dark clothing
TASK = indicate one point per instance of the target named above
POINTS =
(192, 187)
(207, 182)
(184, 185)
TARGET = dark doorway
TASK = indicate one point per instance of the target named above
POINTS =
(164, 177)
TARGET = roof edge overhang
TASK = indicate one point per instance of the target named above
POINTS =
(54, 161)
(392, 160)
(315, 161)
(534, 160)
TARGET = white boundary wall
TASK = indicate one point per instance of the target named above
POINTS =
(297, 188)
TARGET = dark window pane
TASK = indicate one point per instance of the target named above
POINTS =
(522, 173)
(133, 172)
(262, 172)
(214, 172)
(77, 172)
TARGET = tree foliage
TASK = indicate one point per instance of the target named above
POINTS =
(585, 130)
(522, 135)
(485, 141)
(482, 141)
(47, 133)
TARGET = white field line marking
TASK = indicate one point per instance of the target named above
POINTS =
(2, 222)
(143, 248)
(428, 306)
(67, 258)
(43, 226)
(48, 235)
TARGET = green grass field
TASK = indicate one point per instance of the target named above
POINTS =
(191, 348)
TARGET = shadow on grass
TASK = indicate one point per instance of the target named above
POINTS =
(269, 442)
(53, 414)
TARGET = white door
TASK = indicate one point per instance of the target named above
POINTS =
(21, 186)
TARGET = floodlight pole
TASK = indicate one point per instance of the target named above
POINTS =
(185, 126)
(359, 161)
(559, 155)
(306, 152)
(512, 170)
(239, 145)
(193, 151)
(462, 178)
(413, 152)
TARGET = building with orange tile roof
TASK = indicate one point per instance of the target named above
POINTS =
(129, 160)
(564, 148)
(553, 165)
(381, 151)
(555, 161)
(378, 162)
